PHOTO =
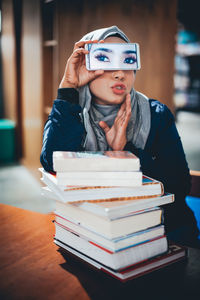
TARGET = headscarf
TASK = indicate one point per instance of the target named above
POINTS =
(140, 121)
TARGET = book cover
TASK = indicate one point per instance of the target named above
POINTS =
(95, 161)
(175, 254)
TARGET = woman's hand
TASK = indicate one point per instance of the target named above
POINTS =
(116, 135)
(76, 74)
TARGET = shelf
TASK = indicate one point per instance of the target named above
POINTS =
(50, 43)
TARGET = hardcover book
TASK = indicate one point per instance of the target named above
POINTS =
(65, 161)
(175, 254)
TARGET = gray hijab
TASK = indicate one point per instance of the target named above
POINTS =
(139, 124)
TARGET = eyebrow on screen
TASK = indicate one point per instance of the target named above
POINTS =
(103, 49)
(129, 52)
(110, 51)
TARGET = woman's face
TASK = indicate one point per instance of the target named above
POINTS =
(112, 86)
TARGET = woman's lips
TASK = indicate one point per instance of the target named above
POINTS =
(118, 88)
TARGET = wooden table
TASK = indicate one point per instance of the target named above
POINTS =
(32, 268)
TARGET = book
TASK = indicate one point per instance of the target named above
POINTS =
(95, 161)
(114, 228)
(100, 178)
(115, 209)
(150, 188)
(113, 245)
(175, 254)
(46, 192)
(114, 260)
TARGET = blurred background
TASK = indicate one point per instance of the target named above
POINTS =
(37, 37)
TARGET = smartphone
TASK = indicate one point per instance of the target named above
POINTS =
(112, 56)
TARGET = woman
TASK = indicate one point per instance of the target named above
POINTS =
(100, 110)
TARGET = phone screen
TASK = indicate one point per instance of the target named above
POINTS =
(113, 56)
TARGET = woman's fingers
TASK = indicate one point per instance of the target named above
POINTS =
(79, 51)
(121, 111)
(78, 56)
(104, 126)
(128, 103)
(75, 68)
(81, 44)
(127, 109)
(94, 74)
(124, 113)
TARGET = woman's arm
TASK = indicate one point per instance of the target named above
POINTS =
(63, 130)
(163, 158)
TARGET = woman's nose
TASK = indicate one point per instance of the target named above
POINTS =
(118, 75)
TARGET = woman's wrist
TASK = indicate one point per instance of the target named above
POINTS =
(66, 84)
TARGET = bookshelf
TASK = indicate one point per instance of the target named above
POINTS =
(49, 53)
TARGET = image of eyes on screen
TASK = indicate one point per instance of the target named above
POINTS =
(113, 56)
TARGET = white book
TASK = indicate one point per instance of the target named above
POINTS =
(113, 245)
(110, 228)
(150, 188)
(116, 178)
(95, 161)
(175, 254)
(117, 260)
(47, 192)
(115, 209)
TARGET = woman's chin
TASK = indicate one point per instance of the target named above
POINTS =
(117, 100)
(108, 102)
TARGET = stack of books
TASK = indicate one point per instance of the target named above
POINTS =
(108, 213)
